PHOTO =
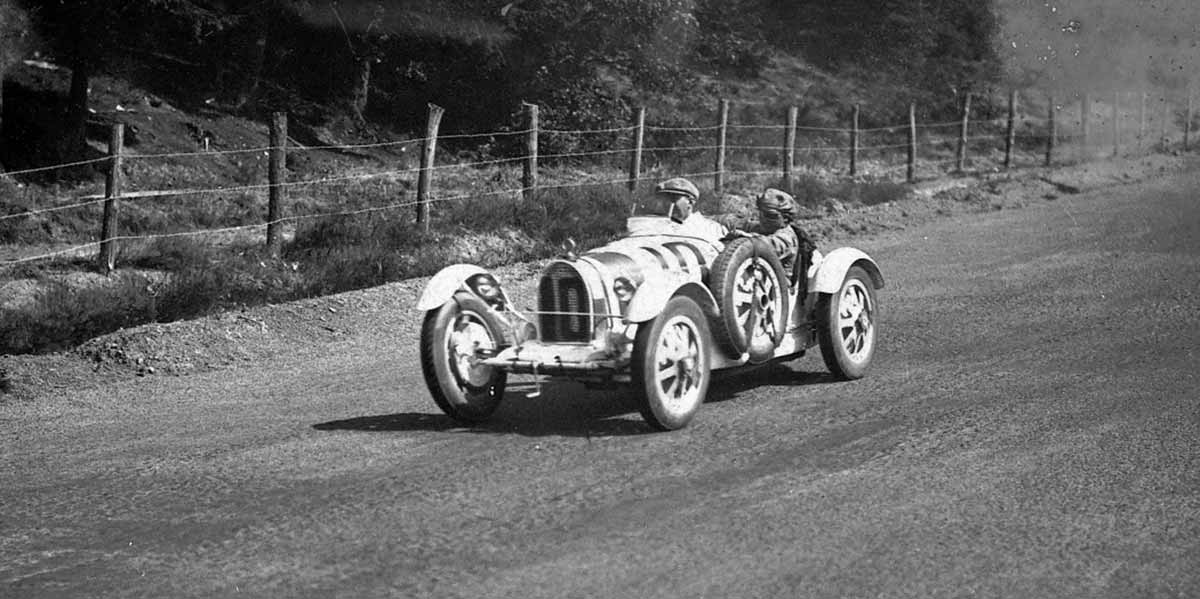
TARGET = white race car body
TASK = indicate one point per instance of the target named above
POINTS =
(590, 308)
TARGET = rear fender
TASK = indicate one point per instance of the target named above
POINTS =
(652, 296)
(444, 284)
(833, 268)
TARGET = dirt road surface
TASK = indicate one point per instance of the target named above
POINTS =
(1031, 428)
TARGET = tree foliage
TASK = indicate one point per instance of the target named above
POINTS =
(14, 40)
(585, 62)
(939, 42)
(14, 33)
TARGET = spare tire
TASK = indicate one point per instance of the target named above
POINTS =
(750, 286)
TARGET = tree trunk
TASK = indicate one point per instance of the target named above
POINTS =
(362, 88)
(3, 138)
(258, 58)
(74, 136)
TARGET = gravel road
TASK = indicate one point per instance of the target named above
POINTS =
(1031, 428)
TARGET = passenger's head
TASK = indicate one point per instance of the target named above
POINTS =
(776, 209)
(678, 196)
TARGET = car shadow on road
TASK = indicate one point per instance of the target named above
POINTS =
(569, 409)
(729, 384)
(563, 408)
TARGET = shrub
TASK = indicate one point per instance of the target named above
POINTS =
(811, 191)
(62, 316)
(872, 192)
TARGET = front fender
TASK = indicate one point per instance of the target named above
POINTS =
(652, 296)
(833, 268)
(444, 284)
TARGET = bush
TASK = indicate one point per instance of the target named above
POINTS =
(62, 316)
(872, 192)
(811, 191)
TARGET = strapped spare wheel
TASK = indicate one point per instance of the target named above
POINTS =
(750, 285)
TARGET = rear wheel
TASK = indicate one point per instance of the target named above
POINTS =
(451, 339)
(846, 325)
(671, 364)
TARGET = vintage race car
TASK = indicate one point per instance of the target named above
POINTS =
(658, 310)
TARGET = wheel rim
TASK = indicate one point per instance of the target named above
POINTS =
(678, 360)
(464, 338)
(755, 300)
(856, 325)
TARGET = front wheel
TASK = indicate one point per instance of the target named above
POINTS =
(846, 325)
(671, 364)
(451, 339)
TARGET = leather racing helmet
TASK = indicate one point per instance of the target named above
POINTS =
(778, 204)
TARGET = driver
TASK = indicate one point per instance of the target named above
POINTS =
(679, 197)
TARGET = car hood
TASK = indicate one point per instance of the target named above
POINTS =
(654, 245)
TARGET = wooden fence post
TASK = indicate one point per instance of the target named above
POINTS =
(722, 136)
(1116, 124)
(1141, 137)
(112, 198)
(961, 163)
(428, 150)
(276, 177)
(1164, 139)
(1010, 134)
(1187, 124)
(529, 179)
(1085, 110)
(854, 114)
(1052, 129)
(911, 172)
(789, 147)
(635, 163)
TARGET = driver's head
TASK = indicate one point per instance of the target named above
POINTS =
(678, 197)
(776, 209)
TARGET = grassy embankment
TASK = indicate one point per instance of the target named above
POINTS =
(173, 278)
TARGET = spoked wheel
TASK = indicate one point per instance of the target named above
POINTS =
(671, 364)
(846, 325)
(750, 285)
(451, 339)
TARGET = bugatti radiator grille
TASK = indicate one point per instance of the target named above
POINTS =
(564, 304)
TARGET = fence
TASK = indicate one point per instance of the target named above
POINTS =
(913, 148)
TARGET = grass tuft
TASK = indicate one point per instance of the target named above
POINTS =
(811, 191)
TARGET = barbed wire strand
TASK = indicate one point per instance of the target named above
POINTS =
(681, 129)
(41, 169)
(137, 156)
(38, 211)
(588, 131)
(488, 134)
(737, 126)
(70, 250)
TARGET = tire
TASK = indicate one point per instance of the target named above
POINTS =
(671, 368)
(846, 327)
(468, 393)
(751, 288)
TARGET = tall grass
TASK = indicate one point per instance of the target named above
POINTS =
(176, 278)
(61, 315)
(810, 190)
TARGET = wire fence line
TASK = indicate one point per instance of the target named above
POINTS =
(738, 149)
